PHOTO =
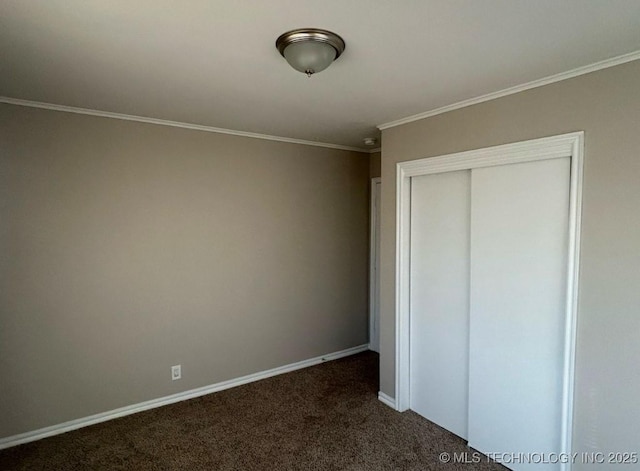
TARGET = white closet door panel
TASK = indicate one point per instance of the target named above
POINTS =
(439, 302)
(519, 238)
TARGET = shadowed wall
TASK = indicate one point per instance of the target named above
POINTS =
(126, 248)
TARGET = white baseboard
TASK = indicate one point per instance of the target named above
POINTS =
(388, 400)
(166, 400)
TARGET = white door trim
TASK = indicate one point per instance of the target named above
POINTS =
(373, 243)
(566, 145)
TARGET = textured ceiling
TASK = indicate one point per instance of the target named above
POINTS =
(213, 63)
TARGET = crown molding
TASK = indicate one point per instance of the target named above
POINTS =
(373, 151)
(175, 124)
(605, 64)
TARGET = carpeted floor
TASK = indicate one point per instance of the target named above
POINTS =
(322, 418)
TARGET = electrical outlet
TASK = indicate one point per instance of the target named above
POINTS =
(176, 372)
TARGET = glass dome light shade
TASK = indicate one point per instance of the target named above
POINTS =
(309, 57)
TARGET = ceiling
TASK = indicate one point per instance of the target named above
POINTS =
(214, 63)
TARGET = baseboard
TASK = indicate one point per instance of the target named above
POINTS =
(166, 400)
(388, 400)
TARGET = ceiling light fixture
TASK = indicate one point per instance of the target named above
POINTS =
(370, 141)
(310, 50)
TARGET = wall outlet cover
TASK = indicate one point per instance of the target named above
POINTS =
(176, 372)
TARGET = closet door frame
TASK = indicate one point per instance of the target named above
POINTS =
(566, 145)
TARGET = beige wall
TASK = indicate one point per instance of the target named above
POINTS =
(128, 247)
(606, 105)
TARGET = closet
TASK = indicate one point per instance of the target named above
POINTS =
(490, 281)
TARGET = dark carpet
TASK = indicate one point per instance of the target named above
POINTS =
(322, 418)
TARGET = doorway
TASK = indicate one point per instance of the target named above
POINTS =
(374, 264)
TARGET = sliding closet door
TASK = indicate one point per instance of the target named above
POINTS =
(439, 303)
(519, 243)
